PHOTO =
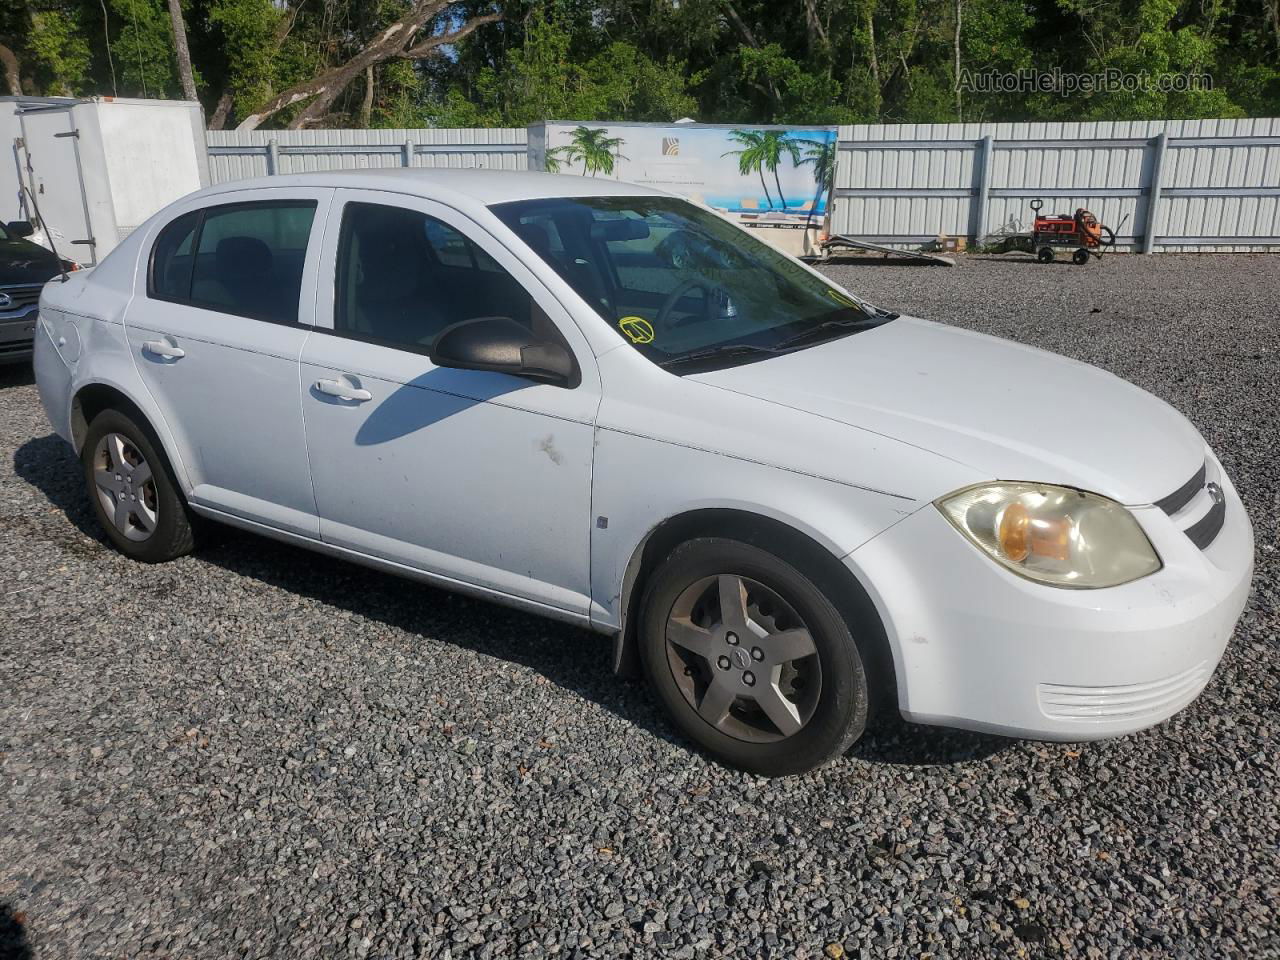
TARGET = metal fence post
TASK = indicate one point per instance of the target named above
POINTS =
(408, 153)
(978, 217)
(273, 158)
(1159, 144)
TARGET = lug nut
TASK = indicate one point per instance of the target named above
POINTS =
(749, 679)
(757, 653)
(731, 638)
(724, 663)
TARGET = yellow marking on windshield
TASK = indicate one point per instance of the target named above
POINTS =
(841, 298)
(637, 329)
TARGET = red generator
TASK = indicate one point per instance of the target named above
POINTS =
(1081, 231)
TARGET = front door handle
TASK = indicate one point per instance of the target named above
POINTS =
(166, 349)
(343, 389)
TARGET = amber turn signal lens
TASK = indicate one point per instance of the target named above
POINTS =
(1015, 539)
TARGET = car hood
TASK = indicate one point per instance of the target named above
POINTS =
(22, 261)
(1009, 411)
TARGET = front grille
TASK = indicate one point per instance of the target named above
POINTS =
(1129, 701)
(20, 296)
(1198, 506)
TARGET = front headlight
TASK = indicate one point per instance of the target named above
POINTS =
(1056, 535)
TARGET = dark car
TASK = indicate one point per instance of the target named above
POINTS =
(24, 269)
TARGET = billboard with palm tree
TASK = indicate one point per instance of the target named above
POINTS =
(765, 176)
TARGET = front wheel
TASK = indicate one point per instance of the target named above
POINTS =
(751, 660)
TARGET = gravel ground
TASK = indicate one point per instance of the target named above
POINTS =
(258, 752)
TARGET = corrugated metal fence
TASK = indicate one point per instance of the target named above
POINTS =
(1189, 185)
(1182, 185)
(234, 155)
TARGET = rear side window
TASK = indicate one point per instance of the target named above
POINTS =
(243, 258)
(171, 260)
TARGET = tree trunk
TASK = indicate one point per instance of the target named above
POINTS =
(956, 66)
(814, 23)
(393, 43)
(222, 111)
(366, 106)
(768, 198)
(750, 37)
(12, 79)
(181, 50)
(872, 60)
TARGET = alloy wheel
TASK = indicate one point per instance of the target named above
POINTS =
(743, 658)
(126, 486)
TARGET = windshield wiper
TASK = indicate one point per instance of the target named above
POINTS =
(822, 331)
(723, 350)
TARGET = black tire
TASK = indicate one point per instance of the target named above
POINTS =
(1080, 257)
(1045, 255)
(172, 536)
(839, 715)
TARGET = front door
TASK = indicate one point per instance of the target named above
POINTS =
(478, 477)
(216, 329)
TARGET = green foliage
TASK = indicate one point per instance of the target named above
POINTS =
(248, 31)
(59, 51)
(731, 61)
(143, 48)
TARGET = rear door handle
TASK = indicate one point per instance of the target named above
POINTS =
(343, 389)
(163, 348)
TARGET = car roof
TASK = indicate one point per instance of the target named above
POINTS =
(478, 184)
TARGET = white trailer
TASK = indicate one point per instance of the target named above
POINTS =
(91, 171)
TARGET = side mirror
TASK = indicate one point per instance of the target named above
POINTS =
(19, 228)
(501, 345)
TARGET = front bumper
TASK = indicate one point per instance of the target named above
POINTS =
(17, 331)
(977, 647)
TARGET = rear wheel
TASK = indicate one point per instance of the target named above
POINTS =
(1080, 257)
(133, 492)
(750, 659)
(1045, 255)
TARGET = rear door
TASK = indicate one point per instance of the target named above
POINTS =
(216, 326)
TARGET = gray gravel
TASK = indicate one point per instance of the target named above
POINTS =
(260, 752)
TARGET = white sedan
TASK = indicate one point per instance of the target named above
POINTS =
(607, 405)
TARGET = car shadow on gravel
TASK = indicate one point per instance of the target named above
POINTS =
(892, 740)
(573, 658)
(50, 465)
(13, 935)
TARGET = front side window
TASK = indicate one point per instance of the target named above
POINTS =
(403, 276)
(683, 286)
(241, 258)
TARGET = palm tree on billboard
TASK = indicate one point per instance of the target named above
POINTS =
(821, 155)
(551, 159)
(773, 144)
(751, 156)
(597, 151)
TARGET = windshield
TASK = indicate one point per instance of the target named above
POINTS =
(683, 286)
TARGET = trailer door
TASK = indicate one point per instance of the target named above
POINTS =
(50, 161)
